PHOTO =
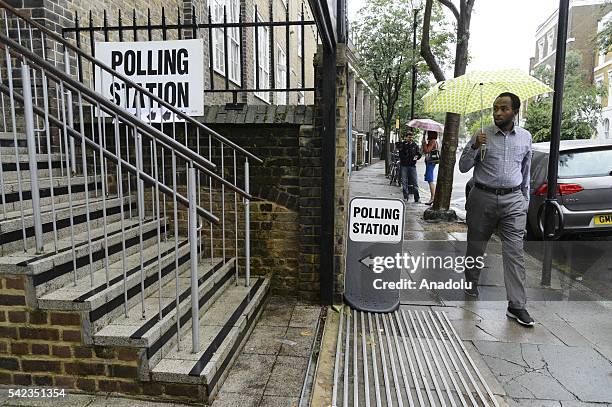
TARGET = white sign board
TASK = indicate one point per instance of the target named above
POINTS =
(376, 220)
(171, 70)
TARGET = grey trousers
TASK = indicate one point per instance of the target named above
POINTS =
(506, 214)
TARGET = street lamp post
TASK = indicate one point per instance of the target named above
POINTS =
(416, 5)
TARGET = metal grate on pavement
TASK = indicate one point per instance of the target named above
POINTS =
(404, 358)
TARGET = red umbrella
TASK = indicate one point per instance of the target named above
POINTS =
(427, 125)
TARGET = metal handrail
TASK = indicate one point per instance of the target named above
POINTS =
(199, 161)
(111, 156)
(144, 91)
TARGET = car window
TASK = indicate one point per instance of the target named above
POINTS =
(590, 163)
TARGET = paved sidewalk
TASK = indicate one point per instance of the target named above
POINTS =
(565, 360)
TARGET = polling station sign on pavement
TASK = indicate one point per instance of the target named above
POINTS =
(171, 70)
(376, 230)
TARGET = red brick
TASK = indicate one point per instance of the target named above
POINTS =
(9, 364)
(19, 348)
(52, 366)
(43, 380)
(14, 283)
(104, 352)
(127, 354)
(71, 336)
(176, 389)
(123, 371)
(5, 378)
(65, 319)
(45, 334)
(40, 349)
(8, 332)
(85, 369)
(65, 382)
(22, 379)
(108, 385)
(17, 317)
(88, 385)
(39, 317)
(61, 351)
(84, 352)
(11, 300)
(130, 388)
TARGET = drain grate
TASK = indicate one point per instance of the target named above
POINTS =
(404, 358)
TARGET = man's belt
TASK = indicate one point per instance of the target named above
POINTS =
(497, 191)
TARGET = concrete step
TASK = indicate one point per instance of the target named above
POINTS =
(224, 328)
(52, 270)
(11, 229)
(10, 160)
(60, 191)
(7, 139)
(158, 336)
(102, 304)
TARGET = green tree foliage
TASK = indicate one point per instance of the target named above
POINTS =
(581, 110)
(604, 38)
(383, 36)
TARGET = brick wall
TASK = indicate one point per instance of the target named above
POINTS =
(46, 348)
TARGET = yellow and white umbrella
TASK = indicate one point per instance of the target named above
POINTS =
(477, 90)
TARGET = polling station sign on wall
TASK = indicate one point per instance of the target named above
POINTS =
(171, 70)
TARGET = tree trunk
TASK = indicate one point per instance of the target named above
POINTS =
(385, 152)
(444, 186)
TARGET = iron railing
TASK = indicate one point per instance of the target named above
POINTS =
(74, 131)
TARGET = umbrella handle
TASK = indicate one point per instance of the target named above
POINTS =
(483, 148)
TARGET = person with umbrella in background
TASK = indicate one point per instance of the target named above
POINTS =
(432, 157)
(409, 154)
(500, 199)
(430, 148)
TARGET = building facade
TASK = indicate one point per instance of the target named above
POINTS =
(603, 77)
(582, 29)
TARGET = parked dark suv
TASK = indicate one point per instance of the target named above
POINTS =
(584, 186)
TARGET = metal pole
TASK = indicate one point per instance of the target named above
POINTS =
(555, 138)
(193, 245)
(31, 138)
(247, 226)
(414, 70)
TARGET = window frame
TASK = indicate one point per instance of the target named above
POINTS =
(264, 38)
(281, 77)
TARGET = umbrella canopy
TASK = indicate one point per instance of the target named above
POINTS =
(477, 90)
(427, 125)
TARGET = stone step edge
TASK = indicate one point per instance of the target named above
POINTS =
(210, 372)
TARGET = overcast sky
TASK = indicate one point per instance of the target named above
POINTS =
(492, 47)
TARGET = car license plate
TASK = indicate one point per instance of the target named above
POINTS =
(603, 219)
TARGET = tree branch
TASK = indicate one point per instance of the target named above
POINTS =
(426, 53)
(449, 4)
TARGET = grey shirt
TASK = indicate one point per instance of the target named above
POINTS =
(507, 160)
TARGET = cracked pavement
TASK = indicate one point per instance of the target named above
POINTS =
(564, 361)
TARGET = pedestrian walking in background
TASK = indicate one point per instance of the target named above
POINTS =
(500, 199)
(431, 149)
(409, 155)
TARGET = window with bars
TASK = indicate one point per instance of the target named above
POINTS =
(281, 75)
(261, 45)
(218, 8)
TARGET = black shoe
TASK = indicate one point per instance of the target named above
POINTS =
(521, 316)
(472, 292)
(417, 201)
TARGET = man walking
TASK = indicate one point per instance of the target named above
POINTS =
(409, 155)
(501, 158)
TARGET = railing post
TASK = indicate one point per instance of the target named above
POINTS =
(193, 247)
(70, 117)
(31, 140)
(247, 226)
